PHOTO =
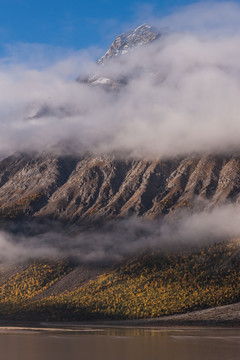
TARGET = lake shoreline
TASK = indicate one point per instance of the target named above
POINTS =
(227, 316)
(139, 324)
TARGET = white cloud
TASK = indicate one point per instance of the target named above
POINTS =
(119, 239)
(182, 93)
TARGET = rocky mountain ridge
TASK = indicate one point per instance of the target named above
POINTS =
(75, 189)
(142, 35)
(122, 46)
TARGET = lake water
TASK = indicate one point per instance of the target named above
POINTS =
(85, 343)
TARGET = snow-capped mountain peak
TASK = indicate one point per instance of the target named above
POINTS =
(142, 35)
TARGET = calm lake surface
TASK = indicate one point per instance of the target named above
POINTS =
(87, 343)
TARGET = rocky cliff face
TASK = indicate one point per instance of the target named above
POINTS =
(76, 189)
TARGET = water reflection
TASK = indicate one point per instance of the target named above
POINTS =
(99, 343)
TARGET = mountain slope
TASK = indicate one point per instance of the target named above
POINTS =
(74, 188)
(88, 190)
(147, 285)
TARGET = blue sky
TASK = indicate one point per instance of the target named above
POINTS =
(75, 24)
